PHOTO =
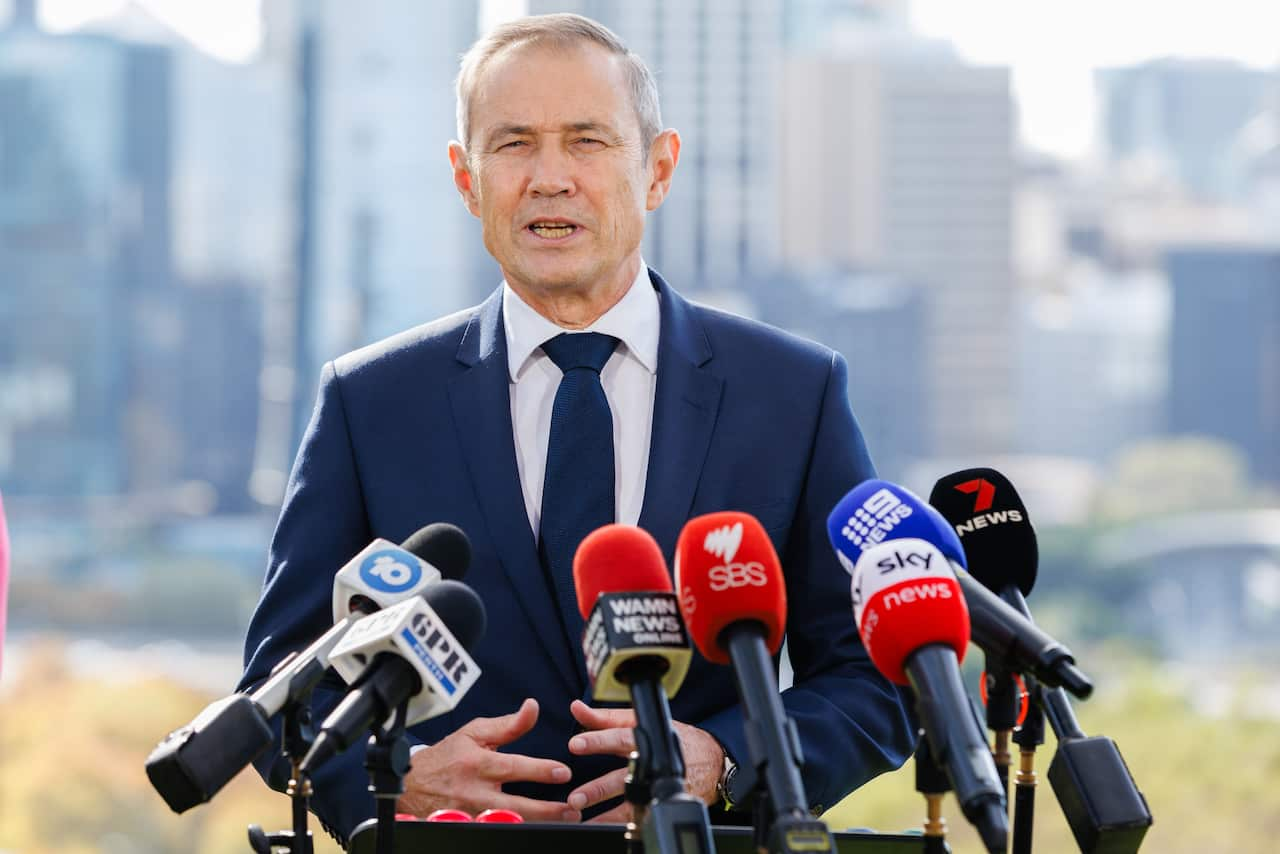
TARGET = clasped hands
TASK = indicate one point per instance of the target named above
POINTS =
(466, 771)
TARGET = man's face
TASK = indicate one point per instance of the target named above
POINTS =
(556, 169)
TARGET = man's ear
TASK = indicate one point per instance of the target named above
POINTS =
(463, 178)
(664, 154)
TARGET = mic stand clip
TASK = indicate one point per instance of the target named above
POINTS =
(298, 735)
(387, 761)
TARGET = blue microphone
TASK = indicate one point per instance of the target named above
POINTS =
(876, 511)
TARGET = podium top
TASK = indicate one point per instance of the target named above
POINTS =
(412, 837)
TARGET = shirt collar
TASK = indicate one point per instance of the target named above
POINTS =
(634, 321)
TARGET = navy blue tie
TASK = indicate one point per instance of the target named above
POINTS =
(577, 491)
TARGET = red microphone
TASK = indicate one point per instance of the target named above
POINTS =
(633, 629)
(734, 602)
(637, 651)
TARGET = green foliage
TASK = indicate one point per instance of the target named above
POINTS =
(1161, 476)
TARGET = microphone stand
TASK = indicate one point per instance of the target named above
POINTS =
(387, 761)
(298, 736)
(932, 782)
(1002, 714)
(1028, 737)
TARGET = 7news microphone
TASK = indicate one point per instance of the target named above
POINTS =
(193, 763)
(1098, 795)
(734, 602)
(636, 650)
(912, 618)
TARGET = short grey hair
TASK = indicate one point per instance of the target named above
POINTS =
(562, 30)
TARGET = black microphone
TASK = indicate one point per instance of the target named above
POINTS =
(194, 762)
(413, 653)
(1103, 805)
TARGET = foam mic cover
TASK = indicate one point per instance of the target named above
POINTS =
(633, 629)
(617, 559)
(906, 597)
(992, 522)
(876, 511)
(727, 572)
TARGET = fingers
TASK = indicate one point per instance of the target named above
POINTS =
(614, 742)
(601, 718)
(621, 814)
(600, 789)
(493, 732)
(511, 767)
(532, 810)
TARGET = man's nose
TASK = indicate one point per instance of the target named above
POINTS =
(552, 172)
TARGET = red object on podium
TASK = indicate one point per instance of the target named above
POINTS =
(449, 815)
(500, 817)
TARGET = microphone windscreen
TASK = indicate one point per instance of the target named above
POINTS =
(876, 511)
(442, 545)
(460, 608)
(992, 522)
(617, 559)
(905, 597)
(727, 572)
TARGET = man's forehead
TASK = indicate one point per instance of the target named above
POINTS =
(513, 89)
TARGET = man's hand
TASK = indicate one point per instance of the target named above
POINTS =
(611, 731)
(465, 771)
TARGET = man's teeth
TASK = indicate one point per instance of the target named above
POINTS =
(552, 231)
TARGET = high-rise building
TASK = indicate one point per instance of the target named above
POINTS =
(899, 158)
(1182, 116)
(1225, 348)
(387, 242)
(716, 63)
(88, 329)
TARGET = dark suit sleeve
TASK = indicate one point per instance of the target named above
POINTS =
(322, 525)
(852, 721)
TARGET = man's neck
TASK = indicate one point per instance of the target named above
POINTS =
(578, 309)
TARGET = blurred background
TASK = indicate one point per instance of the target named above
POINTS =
(1046, 235)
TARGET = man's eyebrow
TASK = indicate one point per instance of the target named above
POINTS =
(526, 130)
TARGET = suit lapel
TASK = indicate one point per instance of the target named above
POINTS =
(686, 402)
(481, 402)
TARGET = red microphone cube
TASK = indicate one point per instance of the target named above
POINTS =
(500, 817)
(449, 815)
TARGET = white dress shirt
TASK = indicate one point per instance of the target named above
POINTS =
(629, 379)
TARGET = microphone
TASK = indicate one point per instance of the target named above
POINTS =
(734, 602)
(193, 763)
(913, 621)
(413, 653)
(876, 511)
(636, 649)
(1101, 800)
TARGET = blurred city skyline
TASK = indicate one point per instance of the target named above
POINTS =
(212, 212)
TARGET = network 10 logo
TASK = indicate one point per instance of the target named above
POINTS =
(391, 571)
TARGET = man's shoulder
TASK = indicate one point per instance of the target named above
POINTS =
(738, 338)
(423, 345)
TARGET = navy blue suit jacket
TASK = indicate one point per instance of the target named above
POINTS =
(417, 429)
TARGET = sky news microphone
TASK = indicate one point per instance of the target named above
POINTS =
(193, 763)
(912, 619)
(414, 653)
(734, 602)
(636, 650)
(876, 511)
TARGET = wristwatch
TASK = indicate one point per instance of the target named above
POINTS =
(722, 785)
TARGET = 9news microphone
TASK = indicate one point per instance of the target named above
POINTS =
(885, 511)
(193, 763)
(636, 649)
(412, 654)
(1101, 801)
(915, 626)
(734, 602)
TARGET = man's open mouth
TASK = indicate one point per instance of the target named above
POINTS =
(553, 230)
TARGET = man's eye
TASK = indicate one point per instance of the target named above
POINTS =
(589, 142)
(512, 144)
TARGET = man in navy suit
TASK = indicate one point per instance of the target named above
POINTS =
(468, 420)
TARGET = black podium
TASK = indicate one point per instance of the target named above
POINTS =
(425, 837)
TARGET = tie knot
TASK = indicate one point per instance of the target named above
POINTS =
(580, 350)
